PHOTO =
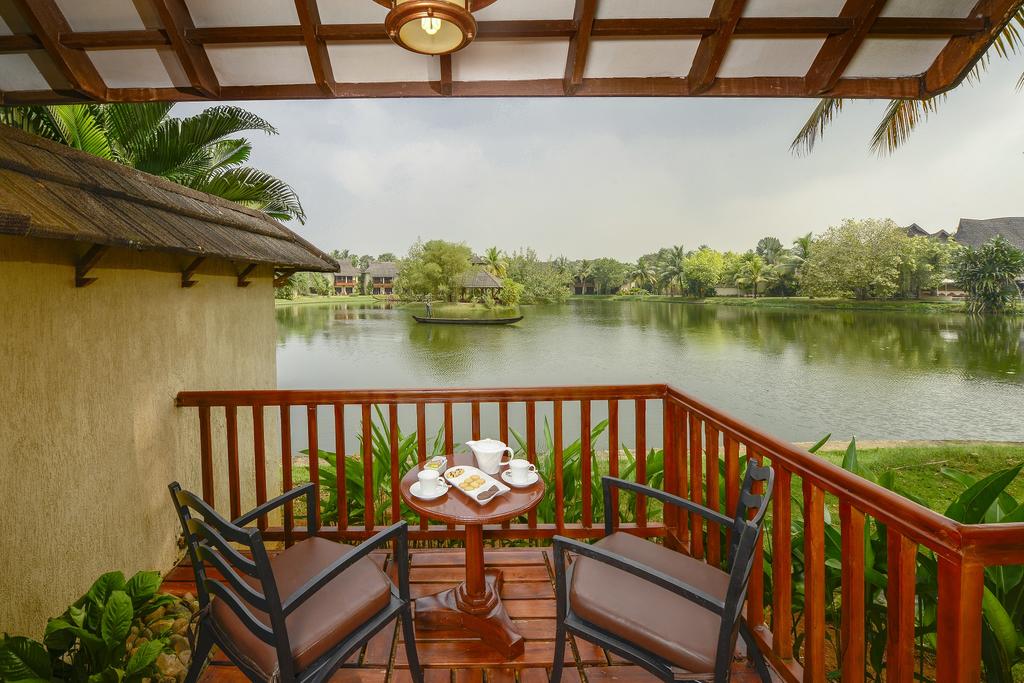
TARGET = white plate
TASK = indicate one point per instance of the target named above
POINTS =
(460, 473)
(530, 480)
(415, 490)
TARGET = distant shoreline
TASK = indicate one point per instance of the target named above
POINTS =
(909, 305)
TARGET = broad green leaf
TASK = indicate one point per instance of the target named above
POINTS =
(850, 458)
(104, 586)
(23, 659)
(59, 635)
(1000, 622)
(821, 442)
(971, 505)
(117, 619)
(959, 477)
(77, 615)
(144, 657)
(143, 586)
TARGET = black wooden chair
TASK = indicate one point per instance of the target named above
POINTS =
(673, 615)
(295, 617)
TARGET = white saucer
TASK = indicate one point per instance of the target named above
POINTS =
(530, 480)
(415, 490)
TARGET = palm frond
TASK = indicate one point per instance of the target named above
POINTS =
(81, 128)
(255, 189)
(826, 110)
(229, 153)
(129, 126)
(899, 121)
(37, 119)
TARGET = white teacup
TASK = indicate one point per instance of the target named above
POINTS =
(430, 483)
(519, 471)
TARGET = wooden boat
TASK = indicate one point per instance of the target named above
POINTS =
(467, 321)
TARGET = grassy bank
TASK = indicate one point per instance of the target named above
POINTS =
(325, 300)
(794, 302)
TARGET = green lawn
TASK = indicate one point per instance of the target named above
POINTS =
(352, 299)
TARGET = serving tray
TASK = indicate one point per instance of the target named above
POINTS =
(475, 483)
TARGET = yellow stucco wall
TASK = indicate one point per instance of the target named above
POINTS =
(89, 434)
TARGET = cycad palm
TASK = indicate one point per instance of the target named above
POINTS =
(202, 152)
(902, 116)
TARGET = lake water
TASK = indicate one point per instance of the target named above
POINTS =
(798, 374)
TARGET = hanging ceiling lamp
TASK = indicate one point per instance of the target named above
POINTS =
(431, 27)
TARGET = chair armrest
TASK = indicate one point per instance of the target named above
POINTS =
(645, 572)
(398, 531)
(706, 513)
(307, 489)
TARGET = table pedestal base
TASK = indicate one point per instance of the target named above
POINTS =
(483, 614)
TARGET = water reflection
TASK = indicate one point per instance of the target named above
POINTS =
(799, 373)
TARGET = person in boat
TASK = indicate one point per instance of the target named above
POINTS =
(430, 308)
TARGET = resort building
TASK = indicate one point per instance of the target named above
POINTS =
(119, 290)
(974, 232)
(915, 230)
(477, 282)
(380, 277)
(346, 280)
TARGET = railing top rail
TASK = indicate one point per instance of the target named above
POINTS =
(432, 395)
(995, 543)
(918, 523)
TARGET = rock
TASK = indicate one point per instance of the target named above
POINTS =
(155, 615)
(185, 656)
(170, 666)
(180, 626)
(179, 644)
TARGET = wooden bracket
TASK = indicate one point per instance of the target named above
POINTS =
(190, 270)
(243, 277)
(281, 277)
(87, 263)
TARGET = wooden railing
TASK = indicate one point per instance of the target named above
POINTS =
(703, 448)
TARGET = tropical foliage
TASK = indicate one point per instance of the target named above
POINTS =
(205, 152)
(989, 275)
(88, 643)
(434, 269)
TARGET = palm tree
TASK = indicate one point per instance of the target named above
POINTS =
(673, 267)
(562, 264)
(770, 249)
(902, 116)
(495, 262)
(752, 274)
(802, 246)
(203, 152)
(581, 273)
(643, 274)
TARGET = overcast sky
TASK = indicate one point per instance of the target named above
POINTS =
(622, 177)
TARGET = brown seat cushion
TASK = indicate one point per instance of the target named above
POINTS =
(644, 614)
(321, 622)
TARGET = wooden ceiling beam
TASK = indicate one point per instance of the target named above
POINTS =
(579, 44)
(446, 75)
(100, 40)
(961, 54)
(319, 59)
(837, 52)
(48, 23)
(713, 47)
(177, 22)
(19, 43)
(233, 35)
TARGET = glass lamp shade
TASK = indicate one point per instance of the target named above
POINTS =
(432, 27)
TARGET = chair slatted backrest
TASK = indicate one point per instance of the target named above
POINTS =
(750, 501)
(209, 538)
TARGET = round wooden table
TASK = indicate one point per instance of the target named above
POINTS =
(476, 603)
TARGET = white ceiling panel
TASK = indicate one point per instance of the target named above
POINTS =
(613, 58)
(749, 57)
(887, 57)
(510, 60)
(101, 15)
(653, 9)
(528, 9)
(793, 8)
(351, 12)
(19, 72)
(260, 64)
(242, 12)
(382, 62)
(139, 68)
(953, 9)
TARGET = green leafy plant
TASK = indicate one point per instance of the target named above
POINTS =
(88, 642)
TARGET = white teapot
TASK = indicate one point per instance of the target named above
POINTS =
(489, 454)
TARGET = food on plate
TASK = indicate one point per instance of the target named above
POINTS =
(454, 474)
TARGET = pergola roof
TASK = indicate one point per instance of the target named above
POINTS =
(142, 50)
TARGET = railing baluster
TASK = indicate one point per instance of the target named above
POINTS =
(814, 582)
(899, 598)
(475, 419)
(559, 468)
(958, 651)
(670, 512)
(782, 565)
(313, 437)
(396, 497)
(732, 480)
(641, 459)
(711, 479)
(421, 445)
(259, 460)
(682, 439)
(206, 454)
(341, 481)
(852, 633)
(585, 464)
(531, 451)
(368, 491)
(286, 471)
(234, 484)
(613, 457)
(696, 487)
(449, 435)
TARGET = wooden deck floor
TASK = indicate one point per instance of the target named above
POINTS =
(457, 656)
